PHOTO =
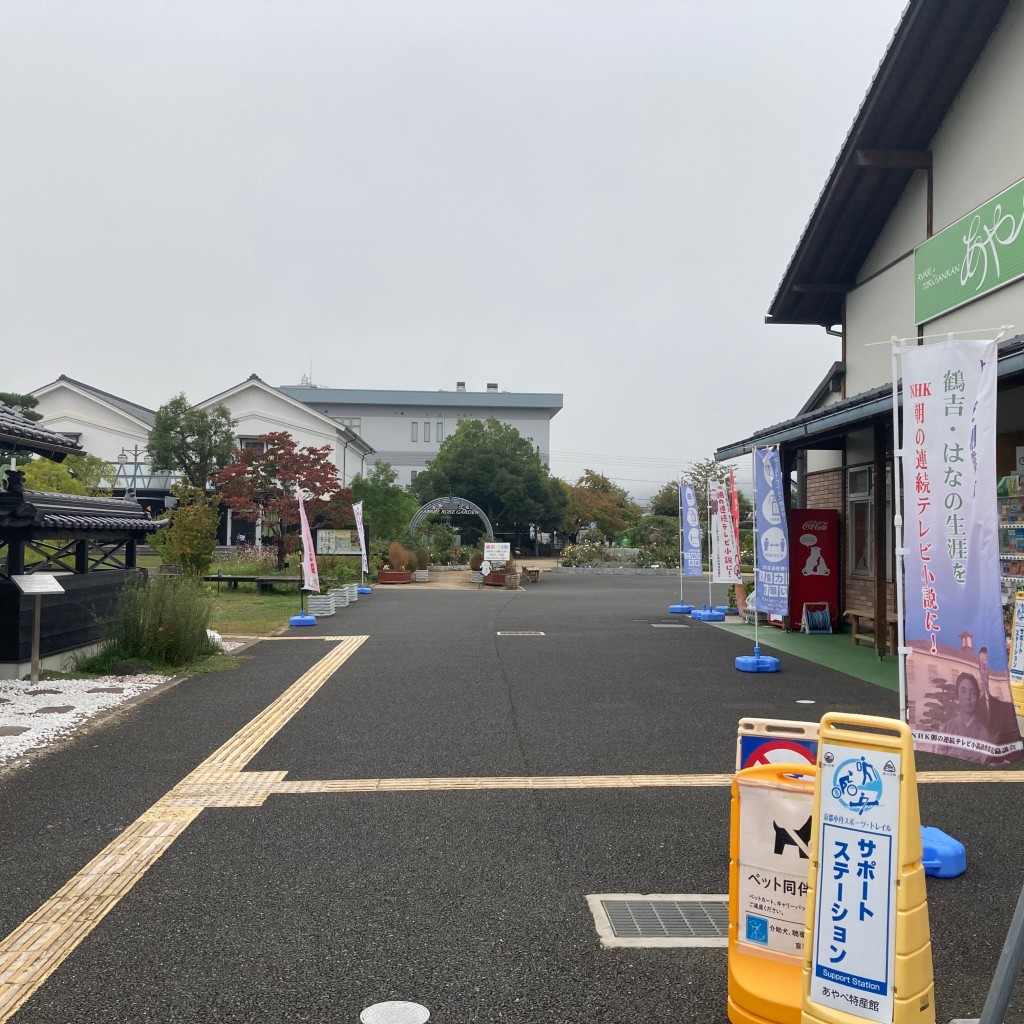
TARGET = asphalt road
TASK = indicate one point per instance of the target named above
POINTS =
(311, 903)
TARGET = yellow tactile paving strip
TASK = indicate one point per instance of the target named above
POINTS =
(38, 946)
(41, 943)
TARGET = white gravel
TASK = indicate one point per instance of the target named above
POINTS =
(54, 709)
(23, 706)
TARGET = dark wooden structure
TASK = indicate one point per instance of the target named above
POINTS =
(88, 543)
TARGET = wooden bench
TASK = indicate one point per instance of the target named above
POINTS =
(855, 615)
(531, 573)
(264, 584)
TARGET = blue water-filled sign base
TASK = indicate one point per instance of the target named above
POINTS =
(944, 856)
(757, 662)
(680, 609)
(708, 615)
(302, 620)
(363, 590)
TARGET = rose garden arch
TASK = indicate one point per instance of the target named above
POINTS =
(451, 506)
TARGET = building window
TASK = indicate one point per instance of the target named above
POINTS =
(439, 436)
(415, 430)
(861, 522)
(354, 423)
(415, 473)
(252, 444)
(426, 431)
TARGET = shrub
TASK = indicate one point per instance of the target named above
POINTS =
(191, 536)
(410, 561)
(422, 559)
(396, 555)
(476, 560)
(162, 621)
(337, 570)
(586, 553)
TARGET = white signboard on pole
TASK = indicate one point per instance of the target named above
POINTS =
(494, 552)
(854, 953)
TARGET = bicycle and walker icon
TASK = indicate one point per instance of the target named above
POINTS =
(857, 785)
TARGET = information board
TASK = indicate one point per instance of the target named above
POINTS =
(38, 583)
(495, 552)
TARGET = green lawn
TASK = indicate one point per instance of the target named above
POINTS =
(245, 611)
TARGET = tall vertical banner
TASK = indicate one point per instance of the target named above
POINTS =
(357, 509)
(689, 531)
(958, 688)
(735, 497)
(310, 576)
(725, 561)
(771, 578)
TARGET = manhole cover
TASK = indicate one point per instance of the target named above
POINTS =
(632, 919)
(395, 1012)
(519, 632)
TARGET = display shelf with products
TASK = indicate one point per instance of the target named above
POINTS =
(1010, 501)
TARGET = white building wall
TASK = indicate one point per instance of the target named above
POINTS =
(976, 154)
(105, 431)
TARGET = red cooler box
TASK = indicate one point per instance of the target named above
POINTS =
(813, 561)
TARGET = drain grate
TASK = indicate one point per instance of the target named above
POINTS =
(519, 632)
(631, 919)
(670, 625)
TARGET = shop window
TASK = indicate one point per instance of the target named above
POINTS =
(861, 522)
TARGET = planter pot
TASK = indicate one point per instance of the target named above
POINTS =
(421, 575)
(494, 579)
(512, 581)
(475, 576)
(340, 595)
(394, 576)
(352, 589)
(320, 605)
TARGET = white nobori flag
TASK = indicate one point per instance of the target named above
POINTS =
(310, 576)
(725, 566)
(357, 510)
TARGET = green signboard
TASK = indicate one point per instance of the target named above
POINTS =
(979, 253)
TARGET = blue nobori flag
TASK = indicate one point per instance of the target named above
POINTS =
(689, 531)
(771, 584)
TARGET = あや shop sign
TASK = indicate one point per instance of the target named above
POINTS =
(973, 256)
(854, 950)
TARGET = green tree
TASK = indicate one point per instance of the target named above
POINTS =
(192, 441)
(190, 537)
(387, 507)
(700, 474)
(495, 467)
(665, 501)
(595, 499)
(77, 474)
(24, 405)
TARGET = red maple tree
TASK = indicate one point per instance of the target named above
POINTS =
(259, 486)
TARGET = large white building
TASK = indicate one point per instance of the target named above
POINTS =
(407, 427)
(404, 428)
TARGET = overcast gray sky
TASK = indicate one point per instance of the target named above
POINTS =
(591, 197)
